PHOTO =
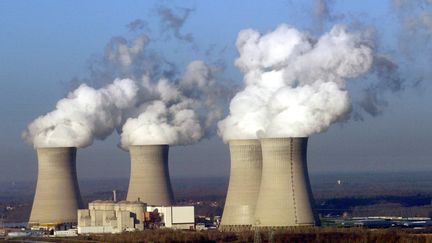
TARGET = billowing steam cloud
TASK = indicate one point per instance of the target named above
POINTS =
(163, 111)
(295, 85)
(408, 65)
(84, 115)
(149, 101)
(171, 119)
(147, 112)
(176, 113)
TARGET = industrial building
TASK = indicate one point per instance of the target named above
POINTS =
(285, 195)
(111, 217)
(149, 176)
(176, 217)
(269, 187)
(115, 217)
(57, 195)
(244, 184)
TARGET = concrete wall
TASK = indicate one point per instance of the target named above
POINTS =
(116, 217)
(149, 178)
(285, 196)
(84, 218)
(137, 210)
(244, 184)
(57, 196)
(185, 226)
(96, 229)
(102, 205)
(125, 221)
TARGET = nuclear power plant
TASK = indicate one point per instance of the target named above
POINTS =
(285, 196)
(149, 180)
(244, 184)
(268, 187)
(57, 196)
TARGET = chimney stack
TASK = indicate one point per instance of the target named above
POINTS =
(114, 195)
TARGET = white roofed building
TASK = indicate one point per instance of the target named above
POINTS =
(176, 217)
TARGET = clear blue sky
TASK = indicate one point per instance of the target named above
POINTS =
(45, 44)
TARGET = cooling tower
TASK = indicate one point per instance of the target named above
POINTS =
(244, 183)
(57, 196)
(149, 178)
(285, 196)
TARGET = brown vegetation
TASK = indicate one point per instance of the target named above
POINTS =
(353, 235)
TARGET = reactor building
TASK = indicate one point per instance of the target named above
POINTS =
(244, 184)
(285, 196)
(149, 180)
(111, 217)
(57, 195)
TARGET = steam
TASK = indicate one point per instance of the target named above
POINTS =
(176, 113)
(136, 25)
(163, 122)
(295, 84)
(406, 67)
(84, 115)
(172, 20)
(150, 101)
(415, 33)
(131, 57)
(321, 14)
(148, 111)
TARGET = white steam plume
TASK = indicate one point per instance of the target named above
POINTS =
(173, 112)
(199, 84)
(164, 107)
(84, 115)
(295, 85)
(159, 123)
(162, 111)
(153, 108)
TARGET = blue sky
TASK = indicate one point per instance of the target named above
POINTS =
(46, 44)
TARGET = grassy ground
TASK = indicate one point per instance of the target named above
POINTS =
(352, 235)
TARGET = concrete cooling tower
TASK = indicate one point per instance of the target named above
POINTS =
(149, 178)
(57, 196)
(285, 196)
(244, 184)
